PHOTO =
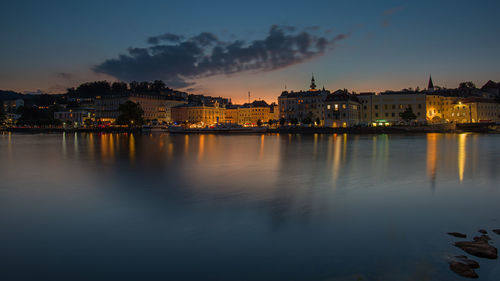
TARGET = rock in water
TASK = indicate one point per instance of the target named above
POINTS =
(482, 231)
(463, 269)
(470, 263)
(484, 238)
(457, 234)
(479, 248)
(497, 231)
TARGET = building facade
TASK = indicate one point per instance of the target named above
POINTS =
(199, 114)
(384, 108)
(304, 104)
(155, 107)
(342, 110)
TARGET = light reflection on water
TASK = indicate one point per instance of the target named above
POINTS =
(251, 207)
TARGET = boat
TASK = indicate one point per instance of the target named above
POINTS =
(217, 130)
(154, 129)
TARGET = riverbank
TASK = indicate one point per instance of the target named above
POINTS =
(287, 130)
(70, 130)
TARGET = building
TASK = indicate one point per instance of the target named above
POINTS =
(74, 116)
(473, 110)
(199, 114)
(384, 108)
(249, 114)
(231, 116)
(156, 107)
(342, 110)
(304, 104)
(11, 106)
(106, 107)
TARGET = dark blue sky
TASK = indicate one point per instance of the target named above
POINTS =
(51, 45)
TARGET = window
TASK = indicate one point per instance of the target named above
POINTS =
(328, 106)
(386, 114)
(376, 114)
(336, 107)
(343, 106)
(393, 106)
(393, 114)
(376, 106)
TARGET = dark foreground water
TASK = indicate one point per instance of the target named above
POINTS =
(255, 207)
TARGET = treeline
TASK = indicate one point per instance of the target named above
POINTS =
(34, 116)
(103, 88)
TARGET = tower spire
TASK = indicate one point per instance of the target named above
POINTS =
(430, 86)
(313, 83)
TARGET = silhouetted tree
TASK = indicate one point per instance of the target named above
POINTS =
(157, 86)
(294, 121)
(134, 86)
(2, 113)
(119, 87)
(467, 85)
(408, 115)
(259, 122)
(32, 116)
(307, 120)
(90, 90)
(270, 122)
(130, 114)
(282, 121)
(318, 121)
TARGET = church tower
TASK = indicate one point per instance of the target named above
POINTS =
(430, 86)
(313, 84)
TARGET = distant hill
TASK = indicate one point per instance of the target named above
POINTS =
(10, 95)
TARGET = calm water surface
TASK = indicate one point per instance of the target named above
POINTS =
(255, 207)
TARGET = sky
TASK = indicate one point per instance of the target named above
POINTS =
(230, 48)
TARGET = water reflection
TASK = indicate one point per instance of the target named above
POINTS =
(462, 154)
(432, 141)
(178, 199)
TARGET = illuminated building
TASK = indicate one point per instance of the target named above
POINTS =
(11, 106)
(200, 114)
(155, 107)
(342, 110)
(75, 116)
(303, 104)
(384, 108)
(249, 114)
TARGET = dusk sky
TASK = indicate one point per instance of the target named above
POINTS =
(227, 48)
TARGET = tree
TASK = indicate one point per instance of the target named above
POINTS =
(158, 86)
(32, 116)
(294, 121)
(130, 114)
(318, 121)
(87, 122)
(307, 120)
(270, 122)
(408, 115)
(259, 122)
(2, 113)
(467, 85)
(282, 121)
(119, 87)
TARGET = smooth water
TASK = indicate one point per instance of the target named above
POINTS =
(244, 207)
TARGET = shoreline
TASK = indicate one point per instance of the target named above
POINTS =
(283, 130)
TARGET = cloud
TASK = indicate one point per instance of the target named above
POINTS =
(65, 76)
(386, 15)
(167, 37)
(177, 60)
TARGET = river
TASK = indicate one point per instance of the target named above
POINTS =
(85, 206)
